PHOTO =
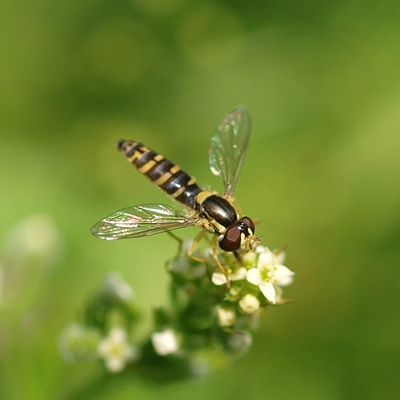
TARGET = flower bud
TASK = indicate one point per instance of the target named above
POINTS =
(164, 342)
(249, 304)
(226, 316)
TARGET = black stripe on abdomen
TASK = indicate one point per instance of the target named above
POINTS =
(159, 169)
(145, 158)
(177, 181)
(131, 151)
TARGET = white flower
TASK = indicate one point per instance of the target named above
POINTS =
(226, 316)
(218, 278)
(116, 350)
(165, 342)
(117, 285)
(240, 341)
(249, 304)
(270, 273)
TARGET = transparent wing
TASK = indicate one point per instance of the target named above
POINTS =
(228, 147)
(141, 220)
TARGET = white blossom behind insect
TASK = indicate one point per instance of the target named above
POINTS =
(218, 278)
(165, 342)
(226, 316)
(116, 350)
(116, 284)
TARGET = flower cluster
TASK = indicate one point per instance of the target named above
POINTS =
(106, 327)
(262, 268)
(210, 309)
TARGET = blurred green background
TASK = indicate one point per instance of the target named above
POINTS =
(321, 80)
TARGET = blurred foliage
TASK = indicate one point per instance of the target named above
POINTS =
(320, 80)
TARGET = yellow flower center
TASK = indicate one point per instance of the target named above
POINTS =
(117, 349)
(265, 274)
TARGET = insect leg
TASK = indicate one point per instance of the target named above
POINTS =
(194, 245)
(220, 266)
(178, 239)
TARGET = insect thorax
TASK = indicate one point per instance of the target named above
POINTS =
(218, 212)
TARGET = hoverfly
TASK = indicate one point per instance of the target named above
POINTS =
(216, 213)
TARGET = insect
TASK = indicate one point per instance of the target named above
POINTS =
(216, 213)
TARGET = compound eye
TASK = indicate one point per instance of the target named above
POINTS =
(232, 239)
(249, 223)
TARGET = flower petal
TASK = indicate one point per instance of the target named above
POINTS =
(218, 279)
(282, 275)
(268, 290)
(117, 335)
(265, 259)
(260, 249)
(254, 276)
(280, 256)
(105, 346)
(115, 364)
(239, 274)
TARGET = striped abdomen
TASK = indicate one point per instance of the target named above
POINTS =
(164, 173)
